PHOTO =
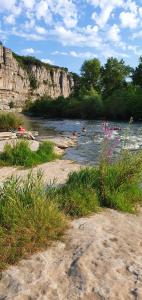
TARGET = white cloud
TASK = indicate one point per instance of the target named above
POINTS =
(128, 20)
(106, 7)
(47, 61)
(58, 21)
(43, 11)
(67, 10)
(29, 3)
(9, 19)
(28, 36)
(67, 36)
(59, 53)
(30, 24)
(135, 50)
(109, 52)
(130, 6)
(114, 33)
(28, 51)
(40, 30)
(7, 4)
(76, 54)
(137, 35)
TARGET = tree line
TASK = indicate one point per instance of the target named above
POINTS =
(112, 91)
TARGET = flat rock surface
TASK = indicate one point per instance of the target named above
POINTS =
(57, 171)
(100, 259)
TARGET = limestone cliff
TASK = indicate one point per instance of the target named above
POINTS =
(19, 82)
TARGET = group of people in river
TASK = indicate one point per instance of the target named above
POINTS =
(75, 133)
(105, 125)
(23, 132)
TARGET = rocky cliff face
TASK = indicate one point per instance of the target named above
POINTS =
(15, 81)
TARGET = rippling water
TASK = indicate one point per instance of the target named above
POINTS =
(88, 148)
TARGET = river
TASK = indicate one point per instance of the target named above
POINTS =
(89, 145)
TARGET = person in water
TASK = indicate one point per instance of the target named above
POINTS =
(74, 134)
(83, 129)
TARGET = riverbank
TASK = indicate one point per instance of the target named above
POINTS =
(98, 256)
(56, 171)
(52, 171)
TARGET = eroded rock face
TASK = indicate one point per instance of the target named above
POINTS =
(15, 84)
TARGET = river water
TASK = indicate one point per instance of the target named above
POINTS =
(89, 145)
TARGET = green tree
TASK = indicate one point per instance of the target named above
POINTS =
(124, 103)
(113, 75)
(77, 84)
(137, 74)
(90, 73)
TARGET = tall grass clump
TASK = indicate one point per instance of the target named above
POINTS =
(29, 220)
(115, 185)
(76, 201)
(20, 154)
(9, 120)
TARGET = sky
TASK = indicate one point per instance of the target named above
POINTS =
(67, 32)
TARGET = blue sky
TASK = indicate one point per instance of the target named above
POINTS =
(66, 32)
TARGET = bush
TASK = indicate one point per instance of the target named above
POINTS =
(11, 104)
(20, 154)
(33, 82)
(9, 121)
(68, 108)
(28, 219)
(124, 103)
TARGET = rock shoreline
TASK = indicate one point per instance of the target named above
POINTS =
(100, 259)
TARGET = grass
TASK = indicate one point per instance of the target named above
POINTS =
(116, 186)
(20, 154)
(32, 215)
(28, 219)
(9, 120)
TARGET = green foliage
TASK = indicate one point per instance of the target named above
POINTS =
(69, 108)
(90, 72)
(28, 219)
(32, 215)
(33, 82)
(11, 104)
(77, 202)
(115, 186)
(26, 62)
(20, 154)
(9, 121)
(113, 75)
(137, 74)
(28, 104)
(124, 103)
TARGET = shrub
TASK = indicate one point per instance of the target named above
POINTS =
(28, 219)
(33, 82)
(71, 107)
(11, 104)
(9, 121)
(20, 154)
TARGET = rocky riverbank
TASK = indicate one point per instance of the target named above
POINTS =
(100, 259)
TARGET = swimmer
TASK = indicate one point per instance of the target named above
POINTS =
(83, 129)
(74, 134)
